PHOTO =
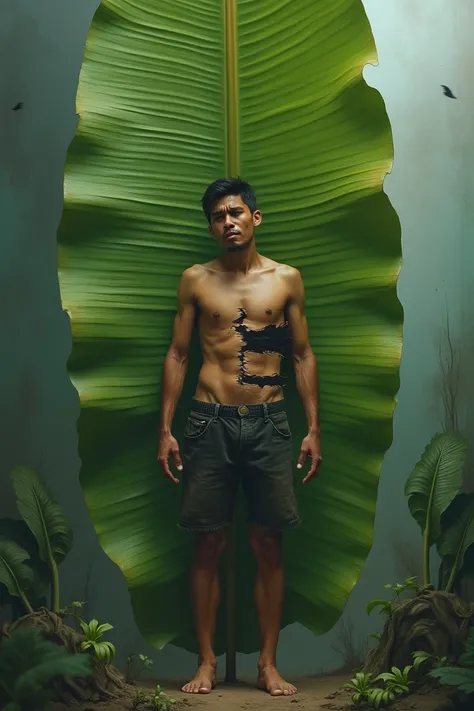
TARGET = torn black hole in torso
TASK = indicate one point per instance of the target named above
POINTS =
(270, 339)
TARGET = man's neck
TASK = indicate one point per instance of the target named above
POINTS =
(241, 262)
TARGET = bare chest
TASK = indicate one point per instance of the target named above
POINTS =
(257, 303)
(255, 311)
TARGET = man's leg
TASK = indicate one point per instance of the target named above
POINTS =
(206, 596)
(269, 593)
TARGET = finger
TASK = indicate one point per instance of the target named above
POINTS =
(315, 463)
(301, 458)
(311, 472)
(177, 460)
(165, 466)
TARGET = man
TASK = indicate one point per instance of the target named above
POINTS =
(250, 314)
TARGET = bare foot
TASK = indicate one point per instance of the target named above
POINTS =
(271, 681)
(203, 681)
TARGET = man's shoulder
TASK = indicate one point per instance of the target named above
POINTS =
(287, 272)
(195, 272)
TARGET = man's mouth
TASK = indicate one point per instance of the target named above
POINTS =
(232, 234)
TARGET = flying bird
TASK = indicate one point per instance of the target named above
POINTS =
(447, 92)
(18, 106)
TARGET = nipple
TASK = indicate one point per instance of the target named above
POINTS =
(216, 314)
(268, 311)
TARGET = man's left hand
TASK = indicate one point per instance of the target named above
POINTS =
(310, 447)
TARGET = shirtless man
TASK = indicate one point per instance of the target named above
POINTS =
(250, 312)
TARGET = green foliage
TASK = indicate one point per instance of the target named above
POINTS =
(28, 663)
(290, 111)
(397, 680)
(161, 701)
(462, 677)
(17, 531)
(456, 539)
(147, 663)
(17, 576)
(360, 685)
(380, 697)
(387, 606)
(45, 544)
(104, 651)
(433, 485)
(366, 691)
(420, 658)
(158, 699)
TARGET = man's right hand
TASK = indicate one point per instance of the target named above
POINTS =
(168, 447)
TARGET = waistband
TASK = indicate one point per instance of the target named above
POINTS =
(218, 410)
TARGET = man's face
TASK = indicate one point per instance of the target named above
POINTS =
(232, 223)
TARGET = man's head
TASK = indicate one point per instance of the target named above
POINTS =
(230, 207)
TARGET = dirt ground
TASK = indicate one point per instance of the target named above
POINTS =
(314, 694)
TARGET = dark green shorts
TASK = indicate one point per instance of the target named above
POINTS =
(223, 445)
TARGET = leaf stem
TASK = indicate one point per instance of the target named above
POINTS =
(427, 531)
(231, 88)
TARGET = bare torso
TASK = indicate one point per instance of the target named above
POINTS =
(243, 332)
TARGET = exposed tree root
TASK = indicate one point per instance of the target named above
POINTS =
(105, 683)
(434, 621)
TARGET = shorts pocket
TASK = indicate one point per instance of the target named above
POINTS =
(280, 423)
(196, 425)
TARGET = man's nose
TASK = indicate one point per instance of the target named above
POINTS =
(228, 220)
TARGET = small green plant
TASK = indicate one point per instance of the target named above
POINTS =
(104, 651)
(158, 699)
(75, 605)
(27, 663)
(397, 680)
(420, 658)
(147, 663)
(377, 698)
(462, 676)
(396, 683)
(140, 698)
(387, 606)
(360, 685)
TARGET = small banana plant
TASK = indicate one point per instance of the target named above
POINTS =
(104, 651)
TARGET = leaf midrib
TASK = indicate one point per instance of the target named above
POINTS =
(232, 157)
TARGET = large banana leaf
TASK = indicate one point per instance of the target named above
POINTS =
(171, 96)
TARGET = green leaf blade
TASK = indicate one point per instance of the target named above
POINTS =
(42, 514)
(315, 142)
(436, 479)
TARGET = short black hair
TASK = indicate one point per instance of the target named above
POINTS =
(228, 186)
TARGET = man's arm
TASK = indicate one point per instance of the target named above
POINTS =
(174, 371)
(306, 373)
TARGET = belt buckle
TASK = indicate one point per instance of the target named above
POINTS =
(243, 410)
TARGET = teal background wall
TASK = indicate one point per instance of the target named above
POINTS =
(421, 46)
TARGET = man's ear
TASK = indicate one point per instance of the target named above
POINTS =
(257, 218)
